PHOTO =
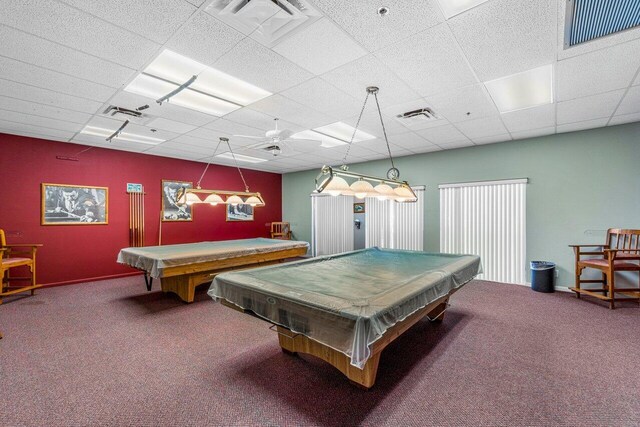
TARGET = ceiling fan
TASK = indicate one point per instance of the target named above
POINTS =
(275, 141)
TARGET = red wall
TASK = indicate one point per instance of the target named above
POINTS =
(83, 252)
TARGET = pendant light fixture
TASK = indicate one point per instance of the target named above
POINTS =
(192, 196)
(390, 188)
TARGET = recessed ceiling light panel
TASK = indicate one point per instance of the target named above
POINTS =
(123, 136)
(522, 90)
(240, 158)
(452, 8)
(327, 141)
(344, 132)
(212, 92)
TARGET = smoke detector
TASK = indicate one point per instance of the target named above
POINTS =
(266, 21)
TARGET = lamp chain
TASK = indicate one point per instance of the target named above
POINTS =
(344, 160)
(384, 130)
(208, 163)
(246, 187)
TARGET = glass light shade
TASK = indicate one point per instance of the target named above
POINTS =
(254, 201)
(384, 192)
(234, 200)
(361, 188)
(337, 186)
(191, 198)
(404, 194)
(213, 199)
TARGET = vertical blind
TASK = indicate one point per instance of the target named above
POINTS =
(487, 219)
(395, 225)
(331, 224)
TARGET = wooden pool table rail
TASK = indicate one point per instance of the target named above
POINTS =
(183, 279)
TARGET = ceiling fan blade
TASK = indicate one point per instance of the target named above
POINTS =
(285, 134)
(259, 145)
(250, 136)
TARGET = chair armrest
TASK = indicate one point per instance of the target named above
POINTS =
(586, 246)
(22, 245)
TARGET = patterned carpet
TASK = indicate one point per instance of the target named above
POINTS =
(109, 353)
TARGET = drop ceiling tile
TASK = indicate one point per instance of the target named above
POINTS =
(626, 118)
(32, 135)
(319, 48)
(588, 124)
(534, 133)
(43, 53)
(354, 78)
(323, 97)
(503, 37)
(442, 135)
(166, 110)
(40, 110)
(281, 107)
(11, 127)
(359, 18)
(174, 154)
(592, 45)
(179, 147)
(76, 29)
(249, 117)
(455, 104)
(44, 122)
(96, 141)
(380, 146)
(481, 128)
(188, 140)
(637, 80)
(262, 67)
(631, 102)
(457, 144)
(233, 128)
(530, 118)
(429, 62)
(588, 108)
(492, 139)
(426, 149)
(156, 20)
(47, 97)
(370, 122)
(170, 125)
(409, 141)
(35, 76)
(597, 72)
(204, 39)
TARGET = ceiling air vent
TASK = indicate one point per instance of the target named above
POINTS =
(134, 116)
(591, 19)
(266, 21)
(414, 117)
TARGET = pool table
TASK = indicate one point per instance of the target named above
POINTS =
(346, 308)
(182, 267)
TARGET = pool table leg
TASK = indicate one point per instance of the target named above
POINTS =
(437, 314)
(292, 343)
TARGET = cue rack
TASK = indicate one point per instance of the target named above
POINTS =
(136, 218)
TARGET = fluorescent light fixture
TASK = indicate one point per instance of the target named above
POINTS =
(454, 7)
(213, 92)
(522, 90)
(327, 141)
(124, 136)
(240, 158)
(344, 132)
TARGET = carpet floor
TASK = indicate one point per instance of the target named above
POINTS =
(109, 353)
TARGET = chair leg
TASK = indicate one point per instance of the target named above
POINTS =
(604, 284)
(578, 273)
(32, 268)
(612, 294)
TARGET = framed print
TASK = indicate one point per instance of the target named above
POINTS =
(239, 213)
(171, 211)
(65, 204)
(358, 208)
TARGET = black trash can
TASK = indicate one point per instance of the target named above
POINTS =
(542, 275)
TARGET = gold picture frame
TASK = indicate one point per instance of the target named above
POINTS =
(67, 204)
(358, 208)
(171, 211)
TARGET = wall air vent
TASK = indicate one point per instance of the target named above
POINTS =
(266, 21)
(591, 19)
(414, 117)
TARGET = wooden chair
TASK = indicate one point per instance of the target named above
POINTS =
(13, 256)
(621, 252)
(280, 230)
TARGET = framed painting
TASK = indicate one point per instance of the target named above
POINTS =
(171, 211)
(239, 213)
(358, 208)
(66, 204)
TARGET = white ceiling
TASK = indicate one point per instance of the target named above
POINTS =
(62, 62)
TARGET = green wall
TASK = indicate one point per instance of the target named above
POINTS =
(580, 184)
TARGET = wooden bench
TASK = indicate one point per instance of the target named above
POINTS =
(621, 252)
